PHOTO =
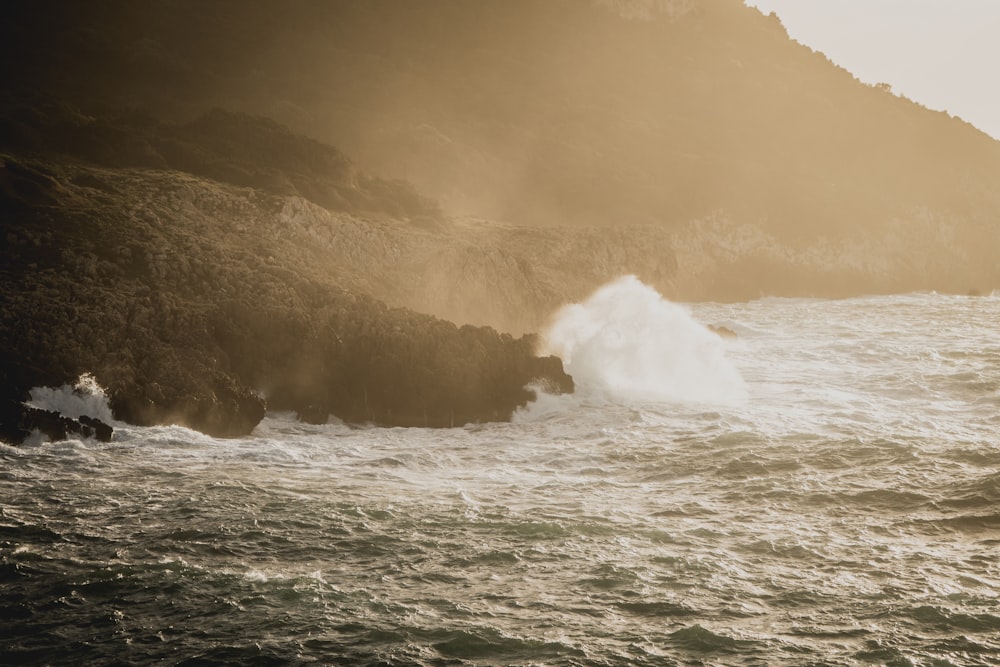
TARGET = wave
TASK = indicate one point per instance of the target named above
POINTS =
(626, 343)
(85, 398)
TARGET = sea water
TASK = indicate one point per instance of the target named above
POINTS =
(822, 489)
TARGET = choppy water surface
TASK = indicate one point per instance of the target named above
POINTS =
(847, 511)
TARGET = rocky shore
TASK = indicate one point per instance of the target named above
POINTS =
(207, 271)
(208, 321)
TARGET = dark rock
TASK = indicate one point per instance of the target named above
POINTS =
(18, 421)
(312, 414)
(231, 412)
(10, 422)
(178, 332)
(101, 431)
(225, 411)
(49, 423)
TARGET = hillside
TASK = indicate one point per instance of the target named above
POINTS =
(554, 112)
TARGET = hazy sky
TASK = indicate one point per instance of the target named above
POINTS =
(941, 53)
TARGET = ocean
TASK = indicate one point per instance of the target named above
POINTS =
(821, 488)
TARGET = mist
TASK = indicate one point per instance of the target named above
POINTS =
(626, 343)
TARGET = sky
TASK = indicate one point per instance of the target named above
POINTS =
(943, 54)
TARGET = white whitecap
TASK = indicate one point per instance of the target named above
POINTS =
(86, 397)
(626, 343)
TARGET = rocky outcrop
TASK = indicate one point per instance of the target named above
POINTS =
(188, 303)
(18, 421)
(222, 411)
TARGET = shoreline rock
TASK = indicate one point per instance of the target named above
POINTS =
(201, 317)
(18, 421)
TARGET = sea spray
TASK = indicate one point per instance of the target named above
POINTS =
(626, 343)
(86, 397)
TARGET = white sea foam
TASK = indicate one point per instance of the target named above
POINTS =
(86, 397)
(626, 343)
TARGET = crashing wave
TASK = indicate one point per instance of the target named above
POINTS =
(626, 343)
(86, 398)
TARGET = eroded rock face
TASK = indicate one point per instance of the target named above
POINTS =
(227, 411)
(18, 421)
(363, 362)
(189, 307)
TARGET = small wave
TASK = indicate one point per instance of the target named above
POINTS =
(698, 639)
(784, 550)
(488, 558)
(982, 493)
(29, 533)
(609, 577)
(946, 621)
(657, 609)
(973, 523)
(889, 499)
(879, 652)
(490, 644)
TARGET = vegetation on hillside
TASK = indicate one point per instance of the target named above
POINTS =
(554, 112)
(225, 146)
(189, 318)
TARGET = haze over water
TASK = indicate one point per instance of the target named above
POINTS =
(839, 507)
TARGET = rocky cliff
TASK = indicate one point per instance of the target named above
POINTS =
(197, 302)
